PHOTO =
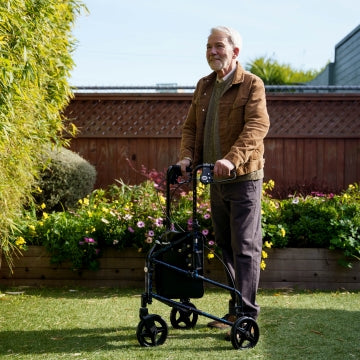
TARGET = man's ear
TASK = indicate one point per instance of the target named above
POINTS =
(236, 52)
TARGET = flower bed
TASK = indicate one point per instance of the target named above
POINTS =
(125, 216)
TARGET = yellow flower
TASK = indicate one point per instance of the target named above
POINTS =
(283, 232)
(20, 241)
(32, 227)
(268, 244)
(38, 190)
(264, 254)
(262, 265)
(210, 256)
(45, 215)
(43, 206)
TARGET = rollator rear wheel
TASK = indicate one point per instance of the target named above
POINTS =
(183, 318)
(152, 331)
(244, 333)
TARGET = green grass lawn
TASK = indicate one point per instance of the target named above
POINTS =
(101, 324)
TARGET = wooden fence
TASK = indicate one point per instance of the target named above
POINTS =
(313, 142)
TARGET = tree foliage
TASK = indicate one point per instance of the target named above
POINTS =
(274, 73)
(35, 61)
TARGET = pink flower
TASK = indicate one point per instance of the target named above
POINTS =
(131, 229)
(140, 224)
(151, 233)
(205, 232)
(90, 240)
(211, 243)
(207, 216)
(158, 222)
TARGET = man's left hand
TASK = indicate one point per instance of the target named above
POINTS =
(223, 168)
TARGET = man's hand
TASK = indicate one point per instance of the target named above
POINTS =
(184, 163)
(223, 168)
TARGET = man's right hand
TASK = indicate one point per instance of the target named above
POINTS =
(184, 163)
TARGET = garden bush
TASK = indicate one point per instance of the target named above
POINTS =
(134, 216)
(65, 178)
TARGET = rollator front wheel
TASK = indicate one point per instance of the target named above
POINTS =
(152, 331)
(183, 318)
(244, 333)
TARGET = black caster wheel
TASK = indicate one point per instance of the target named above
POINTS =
(152, 331)
(244, 333)
(183, 318)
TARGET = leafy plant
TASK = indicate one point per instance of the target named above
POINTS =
(35, 62)
(274, 73)
(317, 220)
(65, 178)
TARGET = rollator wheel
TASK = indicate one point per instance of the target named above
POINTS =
(152, 331)
(244, 333)
(183, 318)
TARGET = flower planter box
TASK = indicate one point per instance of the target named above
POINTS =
(296, 268)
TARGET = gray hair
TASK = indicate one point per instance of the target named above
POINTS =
(233, 36)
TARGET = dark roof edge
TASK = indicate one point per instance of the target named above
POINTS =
(348, 36)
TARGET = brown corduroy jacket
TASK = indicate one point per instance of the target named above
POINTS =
(243, 122)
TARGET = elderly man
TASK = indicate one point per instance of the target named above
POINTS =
(226, 125)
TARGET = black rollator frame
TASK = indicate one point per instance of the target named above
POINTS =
(177, 262)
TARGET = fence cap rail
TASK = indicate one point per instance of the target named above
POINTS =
(189, 89)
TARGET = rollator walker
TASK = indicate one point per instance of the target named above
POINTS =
(176, 265)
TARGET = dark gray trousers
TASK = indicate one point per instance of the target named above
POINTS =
(236, 216)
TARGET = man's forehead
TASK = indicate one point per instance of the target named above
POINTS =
(218, 38)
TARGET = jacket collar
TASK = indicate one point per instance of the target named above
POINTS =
(238, 75)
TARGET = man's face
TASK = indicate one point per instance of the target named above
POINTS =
(219, 52)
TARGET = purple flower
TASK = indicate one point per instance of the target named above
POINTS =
(131, 229)
(81, 243)
(140, 224)
(211, 243)
(151, 233)
(89, 240)
(158, 222)
(205, 232)
(207, 216)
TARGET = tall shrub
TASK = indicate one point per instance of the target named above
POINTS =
(35, 62)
